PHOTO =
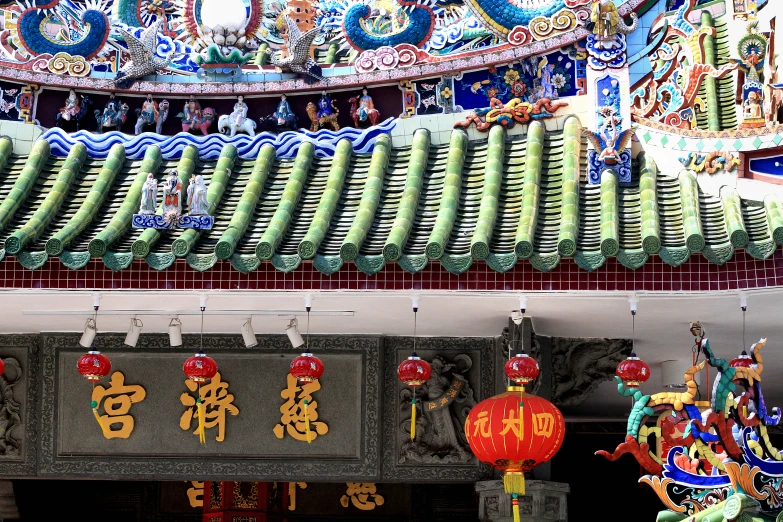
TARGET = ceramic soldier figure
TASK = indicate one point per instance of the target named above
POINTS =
(365, 111)
(149, 196)
(324, 105)
(112, 108)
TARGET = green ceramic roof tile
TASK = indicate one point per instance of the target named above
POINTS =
(388, 205)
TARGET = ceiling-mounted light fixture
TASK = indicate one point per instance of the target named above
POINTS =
(132, 338)
(248, 335)
(293, 333)
(175, 332)
(91, 325)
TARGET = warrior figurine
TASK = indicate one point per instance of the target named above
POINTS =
(148, 114)
(363, 110)
(604, 19)
(283, 112)
(324, 105)
(71, 108)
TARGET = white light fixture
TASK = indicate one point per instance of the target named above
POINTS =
(133, 333)
(89, 333)
(293, 334)
(175, 332)
(248, 335)
(673, 374)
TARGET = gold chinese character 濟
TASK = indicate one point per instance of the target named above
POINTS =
(292, 413)
(362, 495)
(196, 493)
(217, 401)
(117, 400)
(292, 493)
(544, 424)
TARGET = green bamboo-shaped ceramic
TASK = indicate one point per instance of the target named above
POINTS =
(371, 195)
(185, 168)
(247, 203)
(281, 219)
(6, 149)
(648, 199)
(51, 204)
(610, 222)
(262, 58)
(331, 54)
(774, 207)
(217, 187)
(569, 210)
(691, 215)
(121, 220)
(710, 83)
(25, 182)
(92, 203)
(316, 233)
(488, 209)
(732, 213)
(409, 202)
(531, 191)
(449, 201)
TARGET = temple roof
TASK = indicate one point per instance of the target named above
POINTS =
(503, 200)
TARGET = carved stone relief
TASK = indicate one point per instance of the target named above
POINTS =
(19, 405)
(10, 409)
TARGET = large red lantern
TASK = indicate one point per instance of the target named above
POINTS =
(414, 371)
(199, 369)
(307, 368)
(514, 432)
(93, 365)
(633, 371)
(742, 361)
(521, 369)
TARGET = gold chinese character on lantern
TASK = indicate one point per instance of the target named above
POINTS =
(481, 426)
(217, 401)
(116, 401)
(292, 416)
(512, 423)
(196, 493)
(543, 424)
(363, 495)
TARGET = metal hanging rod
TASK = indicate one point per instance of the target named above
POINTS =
(169, 313)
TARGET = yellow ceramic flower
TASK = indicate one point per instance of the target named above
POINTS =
(511, 77)
(446, 93)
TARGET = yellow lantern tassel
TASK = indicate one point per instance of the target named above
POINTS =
(202, 437)
(515, 506)
(307, 420)
(413, 418)
(95, 414)
(514, 482)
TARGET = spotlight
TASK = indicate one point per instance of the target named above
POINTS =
(175, 332)
(133, 334)
(293, 334)
(89, 333)
(248, 334)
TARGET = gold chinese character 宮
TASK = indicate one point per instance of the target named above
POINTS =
(292, 493)
(363, 495)
(196, 493)
(292, 413)
(217, 401)
(117, 400)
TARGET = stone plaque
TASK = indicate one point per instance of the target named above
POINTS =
(18, 405)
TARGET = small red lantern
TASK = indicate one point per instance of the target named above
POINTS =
(94, 366)
(633, 371)
(521, 369)
(307, 368)
(514, 432)
(414, 371)
(742, 361)
(200, 367)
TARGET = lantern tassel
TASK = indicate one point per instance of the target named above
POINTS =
(413, 418)
(515, 506)
(95, 414)
(202, 437)
(514, 483)
(307, 420)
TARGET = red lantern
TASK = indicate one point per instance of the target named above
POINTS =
(200, 367)
(743, 361)
(414, 371)
(521, 369)
(307, 368)
(633, 371)
(514, 432)
(94, 366)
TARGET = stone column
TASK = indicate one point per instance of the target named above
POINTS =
(543, 502)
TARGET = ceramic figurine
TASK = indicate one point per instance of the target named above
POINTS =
(194, 118)
(363, 110)
(283, 118)
(191, 188)
(604, 19)
(172, 193)
(113, 115)
(71, 108)
(198, 202)
(324, 115)
(149, 196)
(237, 121)
(76, 107)
(147, 115)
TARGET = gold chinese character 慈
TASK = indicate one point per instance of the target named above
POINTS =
(117, 399)
(196, 493)
(217, 401)
(363, 495)
(292, 412)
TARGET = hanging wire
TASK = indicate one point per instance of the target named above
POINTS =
(201, 341)
(633, 331)
(415, 316)
(744, 309)
(307, 335)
